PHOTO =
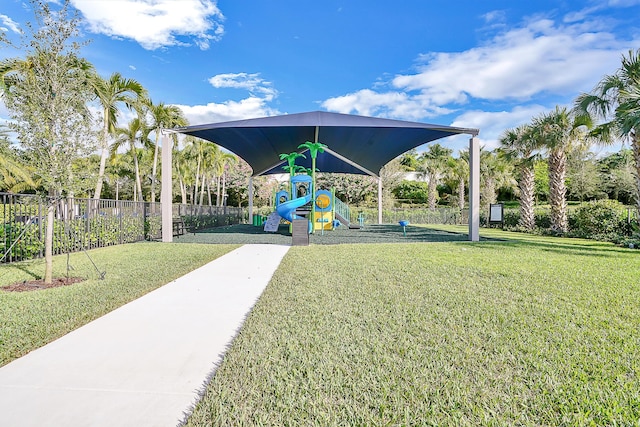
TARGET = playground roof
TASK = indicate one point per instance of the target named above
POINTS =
(356, 144)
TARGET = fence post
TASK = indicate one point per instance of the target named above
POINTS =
(144, 220)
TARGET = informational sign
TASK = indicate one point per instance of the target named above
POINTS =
(496, 213)
(272, 223)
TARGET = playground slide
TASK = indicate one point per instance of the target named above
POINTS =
(286, 209)
(344, 221)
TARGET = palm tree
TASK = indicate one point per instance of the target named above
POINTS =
(222, 161)
(495, 173)
(457, 172)
(162, 117)
(136, 131)
(615, 101)
(557, 132)
(14, 175)
(110, 94)
(520, 145)
(181, 167)
(119, 173)
(433, 164)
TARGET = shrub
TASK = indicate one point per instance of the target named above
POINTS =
(601, 220)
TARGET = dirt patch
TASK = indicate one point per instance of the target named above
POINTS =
(36, 285)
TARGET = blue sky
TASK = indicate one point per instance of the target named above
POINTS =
(481, 64)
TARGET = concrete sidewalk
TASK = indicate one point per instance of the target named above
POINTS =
(145, 363)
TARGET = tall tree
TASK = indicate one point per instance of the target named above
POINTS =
(583, 177)
(520, 146)
(495, 173)
(615, 101)
(433, 165)
(47, 93)
(162, 117)
(111, 93)
(558, 131)
(617, 176)
(458, 174)
(135, 132)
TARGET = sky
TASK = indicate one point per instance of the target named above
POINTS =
(488, 64)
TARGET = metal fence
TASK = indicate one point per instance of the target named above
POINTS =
(413, 215)
(197, 217)
(79, 224)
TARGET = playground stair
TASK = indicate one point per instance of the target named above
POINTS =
(343, 214)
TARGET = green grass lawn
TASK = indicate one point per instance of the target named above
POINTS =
(29, 320)
(527, 331)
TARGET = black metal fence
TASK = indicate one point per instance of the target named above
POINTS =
(78, 224)
(197, 217)
(413, 215)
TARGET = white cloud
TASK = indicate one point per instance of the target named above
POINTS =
(8, 24)
(251, 82)
(251, 107)
(493, 123)
(155, 23)
(539, 59)
(521, 63)
(396, 105)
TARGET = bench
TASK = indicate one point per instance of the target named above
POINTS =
(179, 227)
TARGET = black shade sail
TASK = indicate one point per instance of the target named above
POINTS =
(356, 144)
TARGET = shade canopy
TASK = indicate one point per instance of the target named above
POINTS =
(356, 144)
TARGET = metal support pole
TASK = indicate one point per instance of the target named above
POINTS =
(166, 195)
(250, 199)
(379, 200)
(474, 190)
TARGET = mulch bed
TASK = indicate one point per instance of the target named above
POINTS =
(36, 285)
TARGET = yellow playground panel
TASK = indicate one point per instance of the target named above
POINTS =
(323, 207)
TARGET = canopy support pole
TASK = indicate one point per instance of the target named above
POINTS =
(474, 189)
(379, 200)
(166, 195)
(250, 198)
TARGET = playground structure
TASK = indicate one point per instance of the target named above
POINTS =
(293, 204)
(321, 214)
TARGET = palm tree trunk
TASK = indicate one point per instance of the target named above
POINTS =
(432, 192)
(209, 192)
(103, 158)
(154, 168)
(202, 190)
(487, 194)
(183, 191)
(527, 197)
(558, 190)
(137, 170)
(224, 187)
(461, 194)
(195, 187)
(635, 148)
(218, 190)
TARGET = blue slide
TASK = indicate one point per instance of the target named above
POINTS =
(286, 209)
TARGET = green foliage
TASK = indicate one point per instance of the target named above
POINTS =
(541, 172)
(47, 93)
(601, 220)
(202, 222)
(412, 191)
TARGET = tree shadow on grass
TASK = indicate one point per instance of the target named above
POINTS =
(595, 249)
